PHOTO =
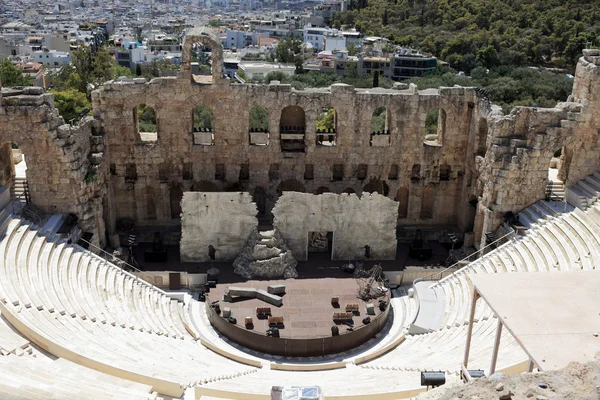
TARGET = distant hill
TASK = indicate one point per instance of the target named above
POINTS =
(488, 33)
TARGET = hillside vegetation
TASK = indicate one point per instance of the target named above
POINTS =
(486, 33)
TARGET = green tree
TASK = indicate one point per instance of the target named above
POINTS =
(259, 118)
(70, 103)
(146, 118)
(203, 118)
(379, 119)
(90, 69)
(326, 119)
(11, 75)
(288, 50)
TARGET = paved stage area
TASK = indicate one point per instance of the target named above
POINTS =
(307, 308)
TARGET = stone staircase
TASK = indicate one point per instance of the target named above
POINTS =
(585, 192)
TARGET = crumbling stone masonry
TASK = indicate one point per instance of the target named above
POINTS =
(480, 164)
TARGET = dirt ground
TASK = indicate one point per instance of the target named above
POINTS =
(575, 382)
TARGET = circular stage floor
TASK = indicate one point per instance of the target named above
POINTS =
(307, 310)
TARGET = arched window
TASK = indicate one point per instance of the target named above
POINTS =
(203, 126)
(202, 56)
(380, 128)
(292, 126)
(290, 185)
(326, 127)
(258, 126)
(146, 123)
(435, 127)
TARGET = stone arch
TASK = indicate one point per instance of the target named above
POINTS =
(322, 189)
(402, 199)
(292, 127)
(204, 186)
(482, 134)
(292, 117)
(207, 37)
(376, 185)
(427, 200)
(175, 196)
(146, 123)
(290, 185)
(349, 191)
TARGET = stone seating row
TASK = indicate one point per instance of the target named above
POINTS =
(59, 277)
(555, 242)
(49, 313)
(41, 377)
(444, 350)
(343, 383)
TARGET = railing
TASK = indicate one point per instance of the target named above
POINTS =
(113, 257)
(439, 275)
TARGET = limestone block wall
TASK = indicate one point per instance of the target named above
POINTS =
(355, 222)
(60, 174)
(148, 179)
(221, 220)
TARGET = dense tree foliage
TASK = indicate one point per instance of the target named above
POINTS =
(321, 79)
(326, 119)
(259, 119)
(488, 33)
(507, 87)
(11, 75)
(203, 118)
(71, 103)
(146, 118)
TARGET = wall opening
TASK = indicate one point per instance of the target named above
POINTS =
(292, 128)
(320, 243)
(338, 172)
(402, 199)
(427, 200)
(482, 134)
(258, 126)
(146, 123)
(376, 185)
(188, 172)
(362, 171)
(322, 189)
(380, 128)
(244, 173)
(309, 172)
(415, 173)
(435, 127)
(150, 204)
(557, 174)
(203, 125)
(8, 161)
(349, 191)
(326, 127)
(290, 185)
(130, 173)
(220, 172)
(471, 212)
(259, 196)
(444, 172)
(393, 174)
(175, 197)
(202, 56)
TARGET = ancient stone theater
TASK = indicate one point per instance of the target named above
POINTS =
(209, 257)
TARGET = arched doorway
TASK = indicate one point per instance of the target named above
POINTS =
(558, 171)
